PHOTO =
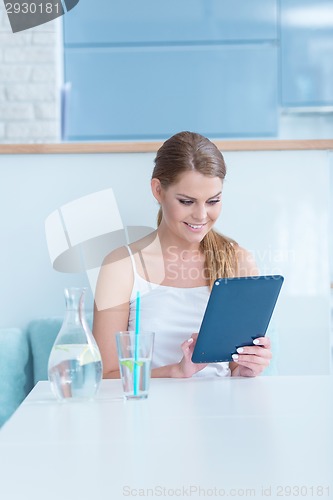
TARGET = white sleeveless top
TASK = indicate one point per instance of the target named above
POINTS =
(173, 314)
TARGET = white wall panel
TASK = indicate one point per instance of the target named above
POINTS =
(276, 204)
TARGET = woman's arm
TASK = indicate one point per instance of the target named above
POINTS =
(108, 322)
(111, 308)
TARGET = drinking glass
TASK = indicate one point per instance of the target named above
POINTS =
(134, 356)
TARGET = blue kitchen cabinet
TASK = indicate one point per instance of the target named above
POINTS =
(306, 53)
(152, 92)
(144, 69)
(107, 22)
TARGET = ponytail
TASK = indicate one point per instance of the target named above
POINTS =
(220, 256)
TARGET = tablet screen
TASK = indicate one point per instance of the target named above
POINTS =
(238, 311)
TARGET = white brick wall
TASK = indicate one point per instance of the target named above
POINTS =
(29, 88)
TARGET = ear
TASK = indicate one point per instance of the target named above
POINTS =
(156, 189)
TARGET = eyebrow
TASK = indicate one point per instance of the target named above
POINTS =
(190, 197)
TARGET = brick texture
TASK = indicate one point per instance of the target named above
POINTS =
(29, 86)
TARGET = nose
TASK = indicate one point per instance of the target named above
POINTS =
(200, 212)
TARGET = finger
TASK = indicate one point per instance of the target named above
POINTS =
(251, 371)
(187, 342)
(194, 336)
(186, 346)
(250, 359)
(263, 341)
(247, 372)
(255, 350)
(257, 368)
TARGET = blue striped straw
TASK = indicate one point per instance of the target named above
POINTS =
(136, 344)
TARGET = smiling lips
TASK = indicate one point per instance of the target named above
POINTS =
(195, 227)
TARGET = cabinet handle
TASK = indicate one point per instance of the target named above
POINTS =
(64, 101)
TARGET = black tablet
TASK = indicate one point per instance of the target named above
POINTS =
(238, 311)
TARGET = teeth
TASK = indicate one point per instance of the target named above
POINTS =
(195, 227)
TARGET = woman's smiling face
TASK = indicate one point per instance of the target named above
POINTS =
(190, 206)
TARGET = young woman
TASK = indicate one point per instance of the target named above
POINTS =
(175, 266)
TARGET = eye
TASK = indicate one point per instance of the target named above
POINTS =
(186, 202)
(213, 202)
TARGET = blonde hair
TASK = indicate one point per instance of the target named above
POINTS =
(188, 151)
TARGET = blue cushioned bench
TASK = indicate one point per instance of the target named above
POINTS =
(15, 370)
(24, 355)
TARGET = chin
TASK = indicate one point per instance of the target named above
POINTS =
(196, 238)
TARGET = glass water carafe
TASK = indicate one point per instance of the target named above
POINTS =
(75, 365)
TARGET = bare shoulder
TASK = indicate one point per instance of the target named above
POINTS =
(118, 255)
(146, 244)
(115, 280)
(120, 261)
(246, 263)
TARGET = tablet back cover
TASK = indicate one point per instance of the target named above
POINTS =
(238, 311)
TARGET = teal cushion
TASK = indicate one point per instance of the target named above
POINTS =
(14, 360)
(42, 334)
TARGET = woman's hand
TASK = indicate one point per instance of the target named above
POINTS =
(186, 368)
(250, 361)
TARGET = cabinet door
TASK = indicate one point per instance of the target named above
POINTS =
(151, 21)
(153, 92)
(307, 52)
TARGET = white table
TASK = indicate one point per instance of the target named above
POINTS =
(195, 438)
